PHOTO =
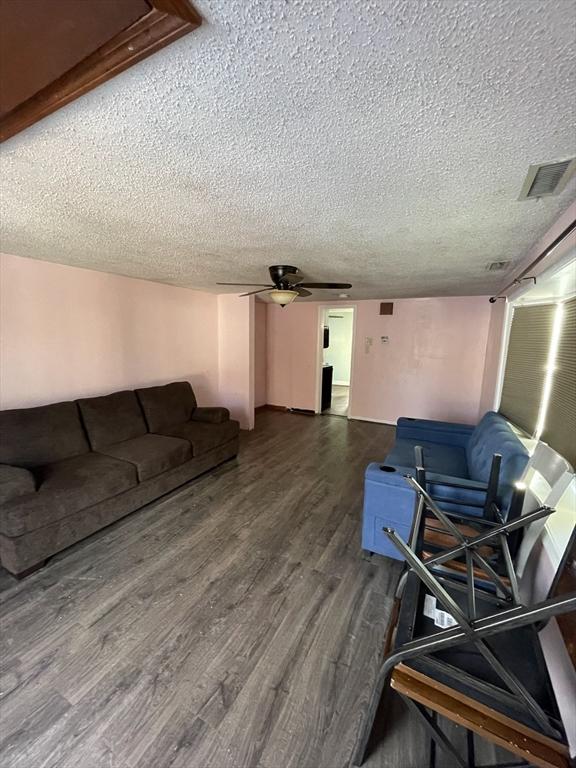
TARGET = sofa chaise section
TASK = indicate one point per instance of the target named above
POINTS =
(171, 411)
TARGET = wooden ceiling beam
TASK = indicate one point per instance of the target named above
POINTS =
(167, 21)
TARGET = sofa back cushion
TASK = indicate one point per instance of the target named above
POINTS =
(31, 437)
(167, 405)
(494, 435)
(112, 418)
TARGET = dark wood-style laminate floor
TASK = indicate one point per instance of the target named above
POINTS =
(233, 624)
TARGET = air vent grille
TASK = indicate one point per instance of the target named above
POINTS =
(547, 179)
(498, 266)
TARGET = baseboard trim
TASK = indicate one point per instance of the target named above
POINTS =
(269, 407)
(302, 411)
(374, 421)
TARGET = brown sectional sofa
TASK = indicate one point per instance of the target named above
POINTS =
(69, 469)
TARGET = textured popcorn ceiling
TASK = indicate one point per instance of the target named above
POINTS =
(382, 142)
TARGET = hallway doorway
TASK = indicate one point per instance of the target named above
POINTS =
(337, 338)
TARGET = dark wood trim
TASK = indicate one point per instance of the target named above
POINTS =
(166, 22)
(181, 8)
(486, 722)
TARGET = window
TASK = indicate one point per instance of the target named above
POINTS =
(559, 420)
(526, 365)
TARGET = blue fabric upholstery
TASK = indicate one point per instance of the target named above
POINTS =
(493, 435)
(469, 496)
(388, 501)
(457, 459)
(444, 432)
(448, 459)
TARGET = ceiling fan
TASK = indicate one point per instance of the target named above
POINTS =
(287, 284)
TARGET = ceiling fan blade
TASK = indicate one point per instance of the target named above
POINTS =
(260, 290)
(335, 286)
(291, 277)
(247, 284)
(302, 291)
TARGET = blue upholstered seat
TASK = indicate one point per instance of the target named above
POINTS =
(457, 459)
(447, 459)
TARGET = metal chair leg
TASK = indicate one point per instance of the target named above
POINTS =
(435, 731)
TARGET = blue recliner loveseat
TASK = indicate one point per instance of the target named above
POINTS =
(457, 459)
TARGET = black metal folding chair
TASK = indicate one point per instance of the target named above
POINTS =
(487, 671)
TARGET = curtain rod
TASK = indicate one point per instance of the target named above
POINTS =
(546, 252)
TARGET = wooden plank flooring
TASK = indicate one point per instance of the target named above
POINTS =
(233, 624)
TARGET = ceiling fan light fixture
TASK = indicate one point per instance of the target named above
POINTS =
(283, 297)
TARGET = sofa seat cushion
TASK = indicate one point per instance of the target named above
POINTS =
(151, 454)
(204, 437)
(64, 488)
(447, 459)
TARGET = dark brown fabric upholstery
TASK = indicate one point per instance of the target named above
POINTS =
(56, 491)
(204, 437)
(211, 415)
(167, 405)
(112, 418)
(14, 482)
(151, 454)
(64, 488)
(33, 436)
(21, 552)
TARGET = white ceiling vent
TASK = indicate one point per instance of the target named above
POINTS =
(547, 179)
(498, 266)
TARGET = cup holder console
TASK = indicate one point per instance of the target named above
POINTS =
(386, 468)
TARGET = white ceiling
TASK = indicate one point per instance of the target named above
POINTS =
(383, 142)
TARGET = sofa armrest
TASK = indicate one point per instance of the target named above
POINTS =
(211, 415)
(441, 432)
(14, 482)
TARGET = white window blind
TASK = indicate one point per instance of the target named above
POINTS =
(526, 364)
(560, 418)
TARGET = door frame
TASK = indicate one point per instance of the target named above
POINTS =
(322, 308)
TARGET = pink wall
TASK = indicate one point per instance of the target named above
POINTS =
(67, 333)
(236, 356)
(292, 355)
(431, 367)
(260, 393)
